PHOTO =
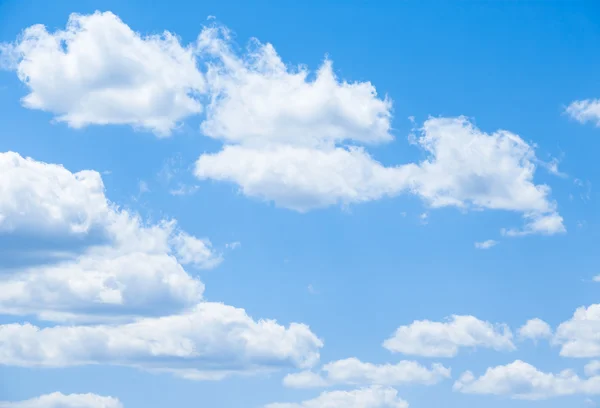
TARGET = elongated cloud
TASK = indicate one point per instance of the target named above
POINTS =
(520, 380)
(373, 397)
(59, 400)
(355, 372)
(445, 339)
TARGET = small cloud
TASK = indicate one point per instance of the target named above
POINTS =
(312, 290)
(424, 218)
(106, 173)
(184, 190)
(486, 244)
(233, 245)
(143, 187)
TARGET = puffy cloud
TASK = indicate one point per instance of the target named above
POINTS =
(486, 244)
(355, 372)
(108, 260)
(580, 335)
(444, 339)
(587, 110)
(98, 71)
(284, 135)
(535, 329)
(59, 400)
(373, 397)
(520, 380)
(257, 100)
(211, 339)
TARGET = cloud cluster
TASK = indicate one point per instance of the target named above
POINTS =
(127, 276)
(291, 136)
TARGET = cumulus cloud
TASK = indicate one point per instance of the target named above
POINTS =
(520, 380)
(280, 153)
(109, 260)
(587, 110)
(372, 397)
(535, 329)
(578, 336)
(59, 400)
(98, 71)
(355, 372)
(289, 136)
(211, 339)
(444, 339)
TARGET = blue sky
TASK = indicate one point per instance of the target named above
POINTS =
(375, 205)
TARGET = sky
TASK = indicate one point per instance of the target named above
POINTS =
(318, 204)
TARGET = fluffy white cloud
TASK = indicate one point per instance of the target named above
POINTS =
(99, 71)
(59, 400)
(257, 100)
(284, 135)
(444, 339)
(587, 110)
(535, 329)
(373, 397)
(580, 335)
(486, 244)
(212, 338)
(107, 260)
(355, 372)
(520, 380)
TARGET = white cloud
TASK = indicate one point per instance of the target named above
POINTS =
(355, 372)
(303, 178)
(373, 397)
(579, 336)
(211, 338)
(520, 380)
(59, 400)
(535, 329)
(486, 244)
(444, 339)
(98, 71)
(257, 100)
(284, 135)
(81, 255)
(587, 110)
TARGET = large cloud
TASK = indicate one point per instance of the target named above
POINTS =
(208, 342)
(520, 380)
(285, 135)
(108, 260)
(372, 397)
(355, 372)
(59, 400)
(99, 71)
(444, 339)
